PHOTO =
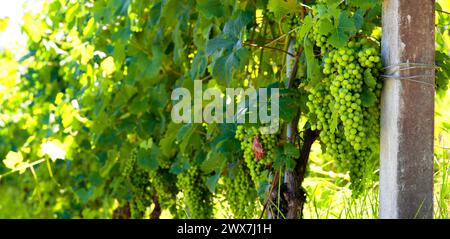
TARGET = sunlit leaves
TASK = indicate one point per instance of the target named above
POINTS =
(13, 160)
(87, 54)
(71, 13)
(3, 24)
(54, 149)
(108, 66)
(305, 28)
(34, 27)
(442, 72)
(90, 28)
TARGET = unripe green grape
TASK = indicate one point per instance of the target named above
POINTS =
(357, 128)
(197, 197)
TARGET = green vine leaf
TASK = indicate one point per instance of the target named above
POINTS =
(344, 28)
(281, 8)
(210, 8)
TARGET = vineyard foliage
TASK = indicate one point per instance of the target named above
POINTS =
(85, 114)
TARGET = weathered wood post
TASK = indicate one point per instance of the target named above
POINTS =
(407, 110)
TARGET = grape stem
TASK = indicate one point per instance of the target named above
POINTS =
(442, 11)
(274, 183)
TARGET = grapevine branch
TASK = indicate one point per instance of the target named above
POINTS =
(292, 125)
(295, 195)
(442, 11)
(291, 178)
(156, 213)
(268, 47)
(274, 183)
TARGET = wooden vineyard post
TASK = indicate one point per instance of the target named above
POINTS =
(407, 109)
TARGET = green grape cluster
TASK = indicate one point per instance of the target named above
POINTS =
(240, 193)
(247, 135)
(197, 198)
(293, 21)
(140, 185)
(344, 106)
(164, 184)
(128, 164)
(141, 194)
(141, 189)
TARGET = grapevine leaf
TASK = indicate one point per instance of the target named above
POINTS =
(13, 160)
(167, 143)
(312, 64)
(279, 160)
(223, 68)
(281, 8)
(199, 64)
(213, 161)
(290, 163)
(180, 165)
(84, 195)
(358, 19)
(263, 188)
(211, 182)
(184, 136)
(291, 150)
(119, 54)
(219, 43)
(210, 8)
(148, 158)
(362, 4)
(368, 98)
(330, 10)
(369, 80)
(155, 13)
(242, 55)
(324, 26)
(234, 27)
(344, 27)
(288, 108)
(225, 142)
(306, 27)
(89, 28)
(283, 161)
(155, 63)
(178, 50)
